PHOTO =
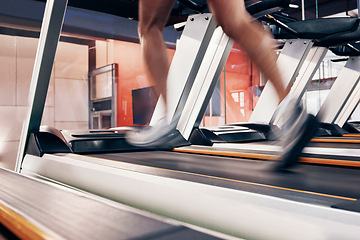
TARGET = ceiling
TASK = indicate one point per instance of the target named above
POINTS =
(323, 8)
(313, 8)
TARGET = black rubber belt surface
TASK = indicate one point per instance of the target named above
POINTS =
(73, 215)
(307, 183)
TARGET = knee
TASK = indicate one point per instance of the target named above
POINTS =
(232, 27)
(148, 29)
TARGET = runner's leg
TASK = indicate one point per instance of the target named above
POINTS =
(153, 16)
(237, 23)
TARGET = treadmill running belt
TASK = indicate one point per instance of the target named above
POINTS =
(62, 213)
(321, 185)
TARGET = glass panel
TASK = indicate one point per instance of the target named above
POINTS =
(322, 82)
(102, 86)
(105, 121)
(238, 91)
(96, 124)
(143, 105)
(132, 78)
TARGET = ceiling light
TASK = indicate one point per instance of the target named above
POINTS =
(293, 5)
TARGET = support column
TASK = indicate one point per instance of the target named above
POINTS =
(307, 72)
(189, 54)
(289, 62)
(344, 95)
(205, 82)
(49, 37)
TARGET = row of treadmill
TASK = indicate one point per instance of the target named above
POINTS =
(214, 183)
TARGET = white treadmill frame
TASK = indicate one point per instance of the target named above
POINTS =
(49, 37)
(189, 54)
(344, 95)
(289, 62)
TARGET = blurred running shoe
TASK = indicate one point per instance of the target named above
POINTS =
(162, 136)
(296, 129)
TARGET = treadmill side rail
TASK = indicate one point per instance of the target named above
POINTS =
(290, 61)
(48, 41)
(184, 67)
(344, 95)
(205, 82)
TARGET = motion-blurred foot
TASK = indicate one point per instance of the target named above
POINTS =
(297, 128)
(160, 136)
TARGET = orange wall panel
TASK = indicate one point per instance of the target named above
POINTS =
(131, 76)
(241, 78)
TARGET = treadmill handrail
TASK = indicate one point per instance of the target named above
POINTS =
(333, 28)
(350, 49)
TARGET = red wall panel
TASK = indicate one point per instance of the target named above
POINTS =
(241, 78)
(131, 76)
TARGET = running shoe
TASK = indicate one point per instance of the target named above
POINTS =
(162, 136)
(297, 128)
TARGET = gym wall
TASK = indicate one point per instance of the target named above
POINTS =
(67, 100)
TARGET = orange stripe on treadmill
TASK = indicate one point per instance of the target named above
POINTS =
(258, 184)
(228, 154)
(20, 226)
(330, 162)
(270, 157)
(351, 135)
(332, 140)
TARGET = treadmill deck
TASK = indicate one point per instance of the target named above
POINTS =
(320, 185)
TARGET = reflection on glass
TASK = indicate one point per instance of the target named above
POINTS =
(106, 121)
(103, 98)
(237, 93)
(103, 86)
(322, 82)
(144, 102)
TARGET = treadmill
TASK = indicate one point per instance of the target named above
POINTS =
(341, 102)
(344, 90)
(343, 97)
(233, 196)
(225, 140)
(298, 61)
